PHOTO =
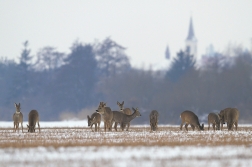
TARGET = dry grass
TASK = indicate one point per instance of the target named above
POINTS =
(137, 136)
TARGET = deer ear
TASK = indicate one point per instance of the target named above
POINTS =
(27, 126)
(117, 103)
(123, 103)
(88, 116)
(15, 104)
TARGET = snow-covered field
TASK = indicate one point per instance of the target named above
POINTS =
(76, 145)
(227, 156)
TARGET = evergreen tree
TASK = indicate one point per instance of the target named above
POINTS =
(74, 88)
(23, 76)
(181, 64)
(25, 58)
(111, 58)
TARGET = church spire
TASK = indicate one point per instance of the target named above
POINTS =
(191, 41)
(191, 35)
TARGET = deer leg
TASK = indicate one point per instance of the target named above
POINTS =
(91, 126)
(105, 126)
(110, 123)
(186, 127)
(208, 126)
(95, 127)
(128, 125)
(228, 126)
(99, 126)
(22, 126)
(115, 126)
(39, 126)
(214, 127)
(192, 126)
(14, 127)
(18, 127)
(122, 126)
(236, 125)
(181, 125)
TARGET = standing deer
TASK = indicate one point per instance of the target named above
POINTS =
(124, 119)
(189, 117)
(230, 116)
(107, 115)
(94, 119)
(33, 118)
(125, 111)
(154, 120)
(17, 117)
(214, 119)
(127, 118)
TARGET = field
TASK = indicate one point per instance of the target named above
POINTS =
(74, 144)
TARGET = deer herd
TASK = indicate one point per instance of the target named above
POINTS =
(124, 116)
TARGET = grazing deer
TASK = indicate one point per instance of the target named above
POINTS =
(94, 119)
(125, 111)
(17, 117)
(189, 117)
(107, 115)
(33, 118)
(230, 116)
(214, 119)
(154, 120)
(124, 119)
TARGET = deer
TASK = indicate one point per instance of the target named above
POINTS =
(154, 120)
(230, 116)
(125, 111)
(33, 118)
(107, 115)
(17, 117)
(124, 119)
(189, 117)
(95, 119)
(214, 119)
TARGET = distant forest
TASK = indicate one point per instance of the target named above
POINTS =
(61, 85)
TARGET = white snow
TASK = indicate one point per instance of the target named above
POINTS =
(44, 124)
(128, 156)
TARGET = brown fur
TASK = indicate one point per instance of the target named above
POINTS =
(33, 118)
(230, 116)
(95, 119)
(214, 119)
(127, 118)
(107, 115)
(124, 119)
(17, 117)
(125, 111)
(154, 120)
(189, 117)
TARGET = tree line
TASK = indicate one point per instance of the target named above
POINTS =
(54, 83)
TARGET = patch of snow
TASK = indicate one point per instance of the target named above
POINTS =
(128, 156)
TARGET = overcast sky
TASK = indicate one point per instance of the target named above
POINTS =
(144, 27)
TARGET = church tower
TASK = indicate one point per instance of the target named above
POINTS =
(191, 41)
